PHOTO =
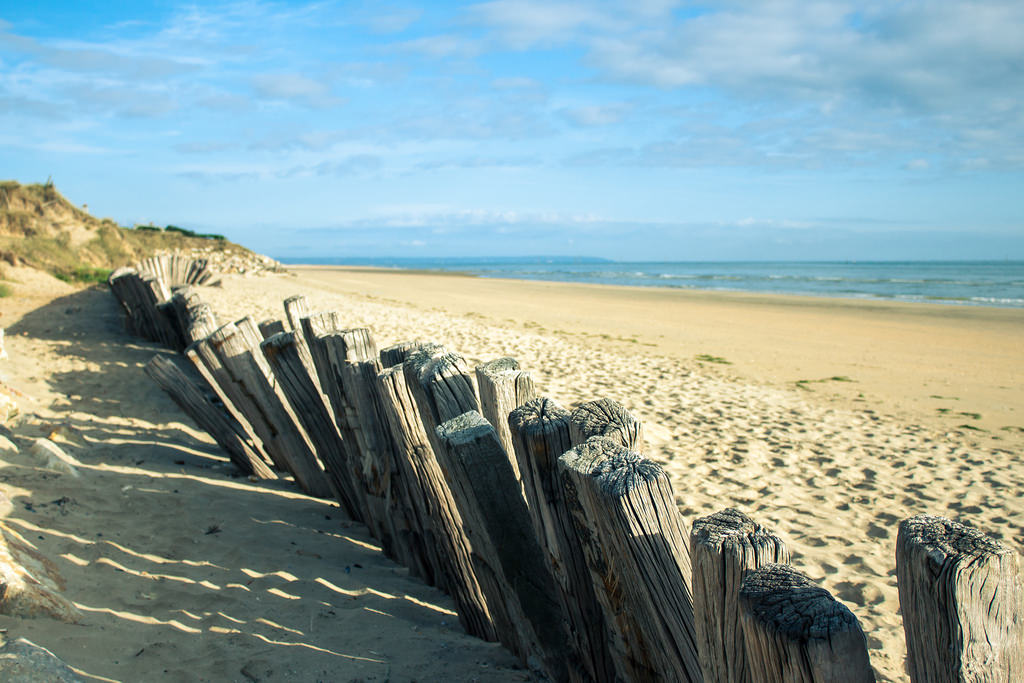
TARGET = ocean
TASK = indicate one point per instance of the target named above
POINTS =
(971, 283)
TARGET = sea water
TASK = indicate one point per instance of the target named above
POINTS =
(975, 283)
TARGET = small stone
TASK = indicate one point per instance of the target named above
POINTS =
(22, 660)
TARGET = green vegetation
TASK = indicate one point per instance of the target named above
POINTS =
(85, 274)
(708, 358)
(973, 416)
(5, 290)
(803, 383)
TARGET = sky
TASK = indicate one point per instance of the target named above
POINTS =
(642, 130)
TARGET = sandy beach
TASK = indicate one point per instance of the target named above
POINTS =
(828, 420)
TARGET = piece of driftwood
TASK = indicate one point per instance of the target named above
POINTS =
(397, 353)
(283, 351)
(295, 309)
(723, 547)
(605, 417)
(502, 534)
(796, 631)
(439, 520)
(627, 508)
(503, 387)
(960, 594)
(211, 418)
(271, 326)
(202, 325)
(540, 435)
(248, 370)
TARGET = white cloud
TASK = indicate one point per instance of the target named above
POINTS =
(295, 88)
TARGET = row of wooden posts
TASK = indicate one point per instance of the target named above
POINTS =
(549, 528)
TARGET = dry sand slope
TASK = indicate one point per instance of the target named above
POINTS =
(831, 470)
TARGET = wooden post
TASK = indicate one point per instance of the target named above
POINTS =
(397, 353)
(295, 309)
(637, 551)
(271, 326)
(961, 598)
(503, 388)
(284, 438)
(212, 373)
(438, 514)
(283, 352)
(202, 325)
(605, 417)
(796, 631)
(723, 547)
(540, 435)
(502, 533)
(212, 419)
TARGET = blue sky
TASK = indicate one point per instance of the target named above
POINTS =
(649, 129)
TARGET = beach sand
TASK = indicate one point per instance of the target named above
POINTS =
(829, 421)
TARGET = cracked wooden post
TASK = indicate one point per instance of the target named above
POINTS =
(211, 418)
(796, 631)
(295, 309)
(503, 535)
(723, 548)
(540, 435)
(271, 326)
(439, 517)
(503, 388)
(397, 353)
(284, 352)
(256, 395)
(638, 554)
(961, 598)
(605, 417)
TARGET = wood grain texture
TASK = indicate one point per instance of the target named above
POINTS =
(283, 351)
(397, 353)
(439, 517)
(539, 431)
(605, 417)
(211, 418)
(295, 309)
(796, 631)
(503, 387)
(271, 326)
(961, 598)
(247, 368)
(627, 505)
(723, 547)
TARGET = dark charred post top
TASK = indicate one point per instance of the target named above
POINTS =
(271, 326)
(961, 598)
(724, 547)
(796, 631)
(605, 417)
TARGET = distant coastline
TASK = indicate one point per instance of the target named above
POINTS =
(969, 283)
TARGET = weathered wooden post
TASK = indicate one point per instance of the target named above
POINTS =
(540, 435)
(503, 388)
(202, 325)
(961, 598)
(397, 353)
(796, 631)
(213, 419)
(503, 536)
(271, 326)
(605, 417)
(637, 552)
(283, 351)
(723, 547)
(438, 514)
(295, 309)
(256, 396)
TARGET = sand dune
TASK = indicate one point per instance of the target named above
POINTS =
(204, 575)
